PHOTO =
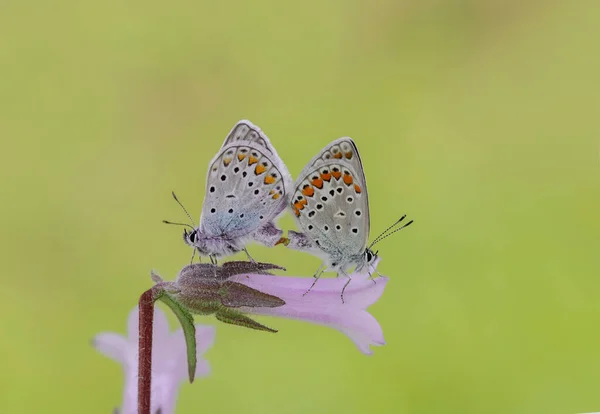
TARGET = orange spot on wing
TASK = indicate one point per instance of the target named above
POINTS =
(349, 154)
(337, 155)
(299, 205)
(317, 182)
(226, 161)
(241, 156)
(260, 169)
(336, 174)
(357, 189)
(347, 179)
(269, 179)
(326, 177)
(252, 160)
(308, 191)
(275, 196)
(304, 201)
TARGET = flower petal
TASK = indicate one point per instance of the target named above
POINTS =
(129, 405)
(112, 345)
(164, 394)
(360, 326)
(323, 304)
(360, 293)
(205, 338)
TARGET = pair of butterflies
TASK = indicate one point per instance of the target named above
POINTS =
(248, 186)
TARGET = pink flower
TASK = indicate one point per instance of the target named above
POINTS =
(323, 304)
(169, 362)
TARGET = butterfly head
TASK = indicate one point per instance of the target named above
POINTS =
(192, 238)
(216, 246)
(370, 256)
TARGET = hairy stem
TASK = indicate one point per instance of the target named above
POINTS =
(146, 308)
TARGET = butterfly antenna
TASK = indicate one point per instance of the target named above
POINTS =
(392, 232)
(181, 205)
(383, 233)
(178, 224)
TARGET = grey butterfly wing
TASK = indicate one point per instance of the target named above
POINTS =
(343, 149)
(331, 206)
(247, 186)
(245, 131)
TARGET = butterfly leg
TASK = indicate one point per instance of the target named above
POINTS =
(378, 274)
(249, 257)
(371, 276)
(316, 276)
(345, 286)
(213, 261)
(236, 318)
(193, 255)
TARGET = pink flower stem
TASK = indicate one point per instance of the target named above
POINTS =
(146, 308)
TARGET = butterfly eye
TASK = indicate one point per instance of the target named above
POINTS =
(192, 237)
(369, 256)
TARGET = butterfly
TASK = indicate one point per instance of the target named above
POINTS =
(247, 188)
(331, 205)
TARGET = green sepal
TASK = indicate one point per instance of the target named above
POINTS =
(235, 317)
(189, 330)
(235, 295)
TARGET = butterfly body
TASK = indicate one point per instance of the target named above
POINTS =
(335, 261)
(214, 245)
(247, 188)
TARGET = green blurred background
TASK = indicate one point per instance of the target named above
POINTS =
(480, 119)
